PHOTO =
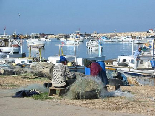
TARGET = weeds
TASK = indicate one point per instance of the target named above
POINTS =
(42, 96)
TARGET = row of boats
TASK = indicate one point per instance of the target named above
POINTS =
(13, 46)
(10, 45)
(129, 39)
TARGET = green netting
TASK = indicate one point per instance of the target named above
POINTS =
(85, 88)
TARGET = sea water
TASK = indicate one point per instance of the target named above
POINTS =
(111, 50)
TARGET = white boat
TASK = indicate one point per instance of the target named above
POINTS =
(125, 39)
(140, 40)
(10, 49)
(9, 46)
(35, 41)
(76, 36)
(105, 39)
(45, 39)
(93, 45)
(5, 36)
(71, 42)
(129, 61)
(62, 39)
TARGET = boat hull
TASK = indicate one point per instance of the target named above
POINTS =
(10, 49)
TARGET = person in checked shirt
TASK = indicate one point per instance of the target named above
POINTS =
(61, 74)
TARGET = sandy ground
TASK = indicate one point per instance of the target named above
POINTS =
(142, 104)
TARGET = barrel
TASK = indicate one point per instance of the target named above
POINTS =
(102, 64)
(152, 63)
(87, 71)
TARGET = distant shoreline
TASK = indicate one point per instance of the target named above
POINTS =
(140, 34)
(98, 35)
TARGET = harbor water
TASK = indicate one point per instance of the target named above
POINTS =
(111, 50)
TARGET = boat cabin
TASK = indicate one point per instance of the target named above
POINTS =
(129, 61)
(23, 61)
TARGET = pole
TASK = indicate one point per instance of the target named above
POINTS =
(75, 53)
(30, 51)
(153, 48)
(4, 30)
(132, 46)
(62, 53)
(21, 47)
(40, 53)
(153, 57)
(59, 49)
(99, 48)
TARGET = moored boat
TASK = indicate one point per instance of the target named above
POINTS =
(93, 45)
(35, 41)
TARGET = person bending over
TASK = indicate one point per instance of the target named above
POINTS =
(96, 70)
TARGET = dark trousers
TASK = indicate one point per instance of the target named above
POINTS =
(103, 76)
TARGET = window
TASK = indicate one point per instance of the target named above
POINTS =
(124, 60)
(132, 61)
(30, 61)
(22, 61)
(141, 61)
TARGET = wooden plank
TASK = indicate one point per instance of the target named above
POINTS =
(53, 91)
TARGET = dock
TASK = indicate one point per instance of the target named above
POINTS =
(140, 77)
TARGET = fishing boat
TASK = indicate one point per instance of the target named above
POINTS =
(71, 42)
(4, 36)
(125, 39)
(35, 41)
(9, 46)
(145, 58)
(93, 45)
(45, 39)
(76, 37)
(129, 61)
(105, 39)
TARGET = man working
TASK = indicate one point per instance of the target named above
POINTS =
(96, 70)
(137, 57)
(61, 74)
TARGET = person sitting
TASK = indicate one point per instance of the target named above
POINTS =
(61, 74)
(96, 70)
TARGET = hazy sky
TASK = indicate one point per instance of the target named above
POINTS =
(68, 16)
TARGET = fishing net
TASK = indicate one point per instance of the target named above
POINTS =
(87, 87)
(36, 87)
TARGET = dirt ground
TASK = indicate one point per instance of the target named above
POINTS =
(141, 104)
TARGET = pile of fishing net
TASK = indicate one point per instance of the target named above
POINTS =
(87, 87)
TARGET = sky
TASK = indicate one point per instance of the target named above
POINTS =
(68, 16)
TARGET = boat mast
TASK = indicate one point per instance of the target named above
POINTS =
(153, 48)
(21, 46)
(4, 30)
(132, 46)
